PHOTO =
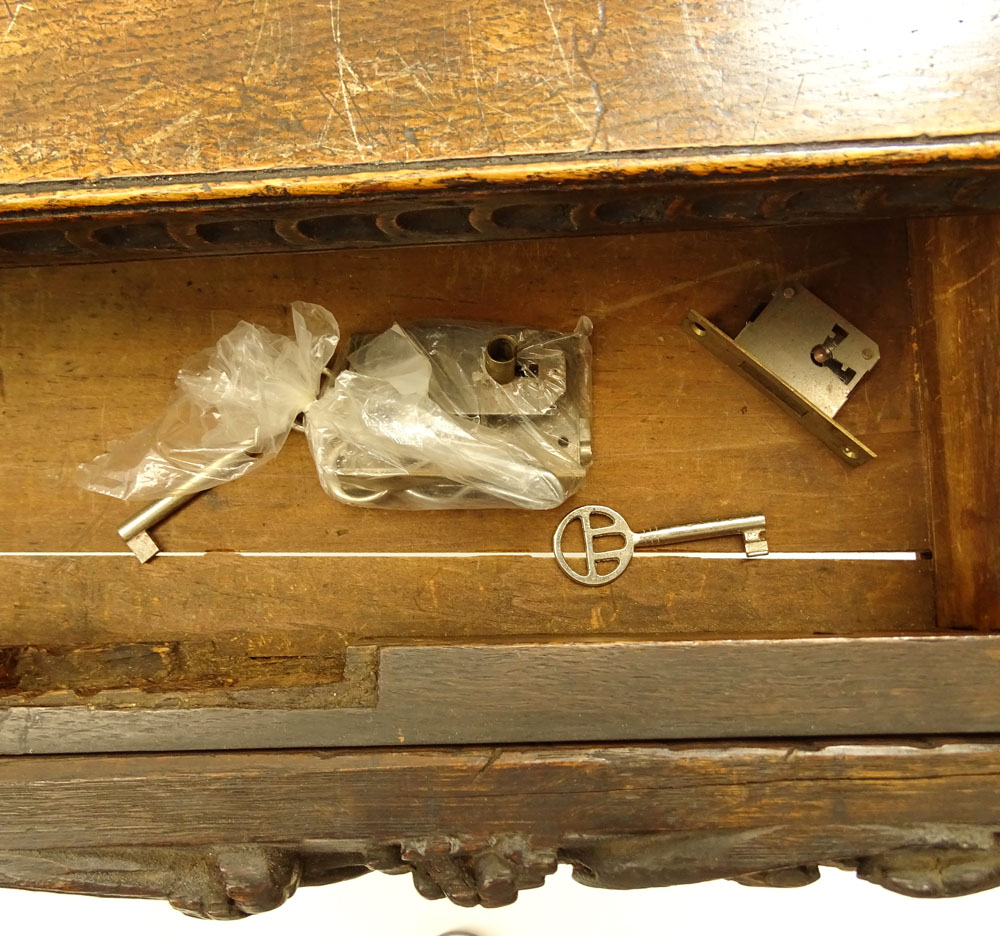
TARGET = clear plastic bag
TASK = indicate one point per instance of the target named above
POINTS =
(416, 420)
(234, 407)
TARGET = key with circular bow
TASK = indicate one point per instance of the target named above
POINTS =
(751, 528)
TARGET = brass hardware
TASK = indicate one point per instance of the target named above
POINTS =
(805, 357)
(500, 358)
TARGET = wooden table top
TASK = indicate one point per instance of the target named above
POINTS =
(103, 100)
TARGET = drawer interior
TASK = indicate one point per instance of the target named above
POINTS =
(266, 582)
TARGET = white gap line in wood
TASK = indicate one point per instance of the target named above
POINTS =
(647, 554)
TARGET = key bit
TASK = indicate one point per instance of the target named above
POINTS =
(143, 545)
(751, 528)
(135, 530)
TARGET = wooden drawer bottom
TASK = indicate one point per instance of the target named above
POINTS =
(270, 595)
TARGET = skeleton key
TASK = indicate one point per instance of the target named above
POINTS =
(752, 529)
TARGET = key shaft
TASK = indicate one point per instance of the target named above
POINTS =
(687, 532)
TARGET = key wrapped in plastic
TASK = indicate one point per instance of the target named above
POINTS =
(456, 415)
(233, 409)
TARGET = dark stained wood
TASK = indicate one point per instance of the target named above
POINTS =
(956, 278)
(479, 824)
(331, 795)
(572, 692)
(265, 126)
(933, 871)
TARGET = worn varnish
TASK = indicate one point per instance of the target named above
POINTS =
(159, 89)
(113, 114)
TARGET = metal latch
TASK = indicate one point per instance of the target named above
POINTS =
(804, 356)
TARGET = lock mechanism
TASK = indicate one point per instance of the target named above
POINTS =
(804, 356)
(525, 388)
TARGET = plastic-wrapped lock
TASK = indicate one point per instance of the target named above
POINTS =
(456, 415)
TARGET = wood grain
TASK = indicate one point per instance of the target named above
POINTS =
(956, 277)
(676, 435)
(88, 355)
(261, 126)
(330, 796)
(245, 85)
(599, 691)
(306, 607)
(477, 825)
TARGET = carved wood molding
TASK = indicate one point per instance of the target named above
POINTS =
(478, 825)
(234, 881)
(559, 201)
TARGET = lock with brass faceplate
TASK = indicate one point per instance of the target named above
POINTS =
(804, 356)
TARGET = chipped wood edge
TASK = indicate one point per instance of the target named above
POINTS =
(579, 692)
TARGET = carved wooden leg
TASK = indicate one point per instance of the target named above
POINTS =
(488, 874)
(934, 872)
(233, 882)
(213, 884)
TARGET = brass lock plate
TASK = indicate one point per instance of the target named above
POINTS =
(804, 356)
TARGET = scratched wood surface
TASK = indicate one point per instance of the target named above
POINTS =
(333, 795)
(956, 278)
(101, 92)
(89, 354)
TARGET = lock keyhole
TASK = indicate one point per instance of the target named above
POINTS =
(824, 355)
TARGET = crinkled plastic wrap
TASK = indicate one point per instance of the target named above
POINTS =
(415, 420)
(233, 409)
